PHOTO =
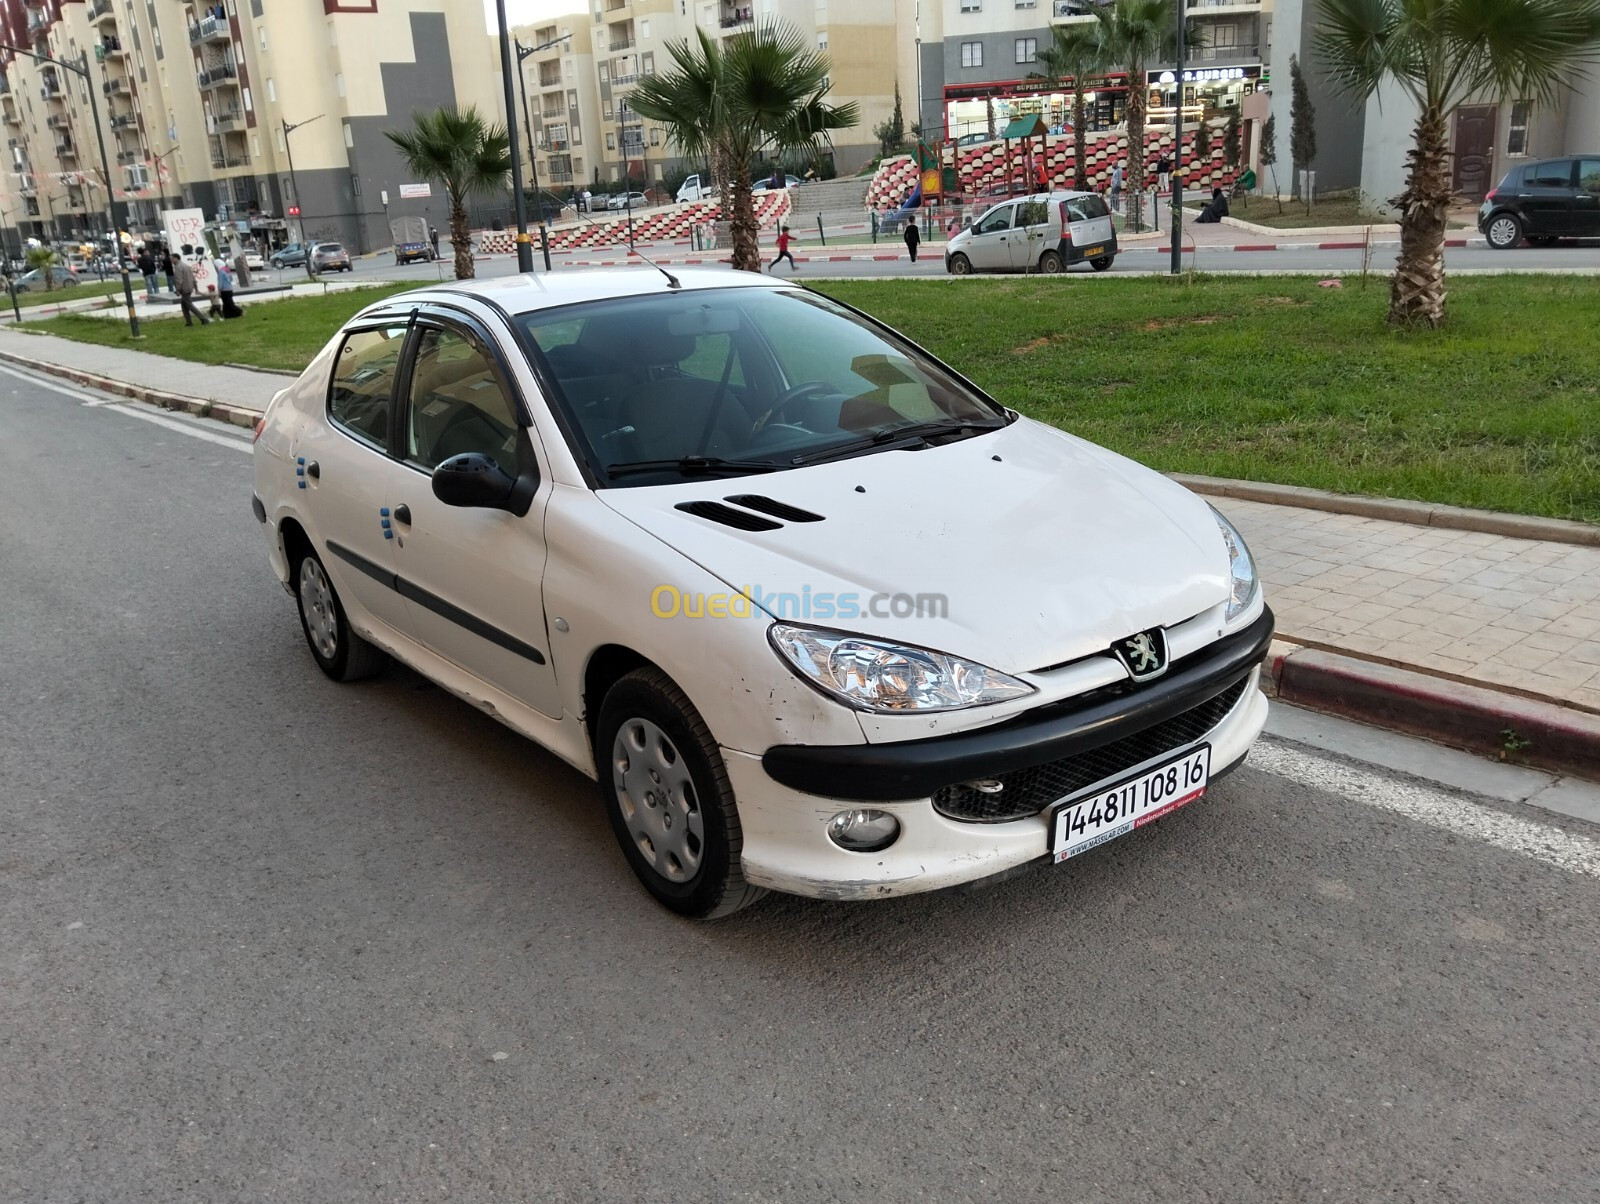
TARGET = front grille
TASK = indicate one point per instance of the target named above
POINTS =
(1029, 791)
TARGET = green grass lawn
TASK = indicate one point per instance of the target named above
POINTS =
(1280, 380)
(77, 292)
(1264, 211)
(272, 334)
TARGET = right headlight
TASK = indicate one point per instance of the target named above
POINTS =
(1244, 584)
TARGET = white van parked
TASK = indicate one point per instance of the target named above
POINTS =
(1046, 232)
(693, 190)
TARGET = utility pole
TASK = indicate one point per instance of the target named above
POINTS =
(294, 186)
(1175, 203)
(524, 244)
(81, 69)
(527, 116)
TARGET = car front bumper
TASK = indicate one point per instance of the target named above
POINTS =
(787, 796)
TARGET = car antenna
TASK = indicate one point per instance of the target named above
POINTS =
(672, 281)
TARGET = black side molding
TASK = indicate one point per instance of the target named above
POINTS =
(917, 768)
(260, 510)
(415, 593)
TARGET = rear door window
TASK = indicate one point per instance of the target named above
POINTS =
(1557, 174)
(361, 394)
(1589, 176)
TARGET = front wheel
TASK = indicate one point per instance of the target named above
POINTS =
(278, 263)
(339, 651)
(1050, 262)
(960, 265)
(1504, 231)
(1101, 262)
(668, 798)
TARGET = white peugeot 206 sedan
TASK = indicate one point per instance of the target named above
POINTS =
(819, 615)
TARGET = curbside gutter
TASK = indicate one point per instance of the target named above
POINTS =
(1510, 727)
(223, 411)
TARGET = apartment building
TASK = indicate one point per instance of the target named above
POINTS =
(204, 105)
(584, 131)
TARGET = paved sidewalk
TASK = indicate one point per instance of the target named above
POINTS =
(1486, 641)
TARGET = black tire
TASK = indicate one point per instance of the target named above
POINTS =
(1101, 262)
(715, 887)
(277, 263)
(1503, 231)
(350, 658)
(1050, 263)
(960, 265)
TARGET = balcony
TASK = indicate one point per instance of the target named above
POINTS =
(103, 11)
(57, 121)
(557, 144)
(209, 29)
(53, 92)
(1247, 53)
(733, 17)
(557, 177)
(222, 162)
(5, 87)
(25, 184)
(65, 149)
(126, 157)
(550, 79)
(622, 44)
(38, 22)
(622, 81)
(125, 121)
(228, 121)
(10, 115)
(1067, 10)
(116, 87)
(112, 48)
(225, 75)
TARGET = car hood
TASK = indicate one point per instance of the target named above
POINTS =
(1044, 547)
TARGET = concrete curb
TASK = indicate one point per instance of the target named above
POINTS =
(223, 411)
(1396, 510)
(1510, 727)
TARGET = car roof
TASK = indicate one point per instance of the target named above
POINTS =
(535, 291)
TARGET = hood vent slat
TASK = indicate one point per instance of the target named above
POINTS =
(767, 505)
(729, 517)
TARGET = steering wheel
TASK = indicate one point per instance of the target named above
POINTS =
(789, 396)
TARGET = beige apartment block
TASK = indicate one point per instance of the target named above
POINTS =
(560, 100)
(203, 105)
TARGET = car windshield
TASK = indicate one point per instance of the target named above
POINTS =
(662, 388)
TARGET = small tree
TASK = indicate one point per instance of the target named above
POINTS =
(41, 260)
(1075, 53)
(1302, 128)
(1269, 154)
(1200, 145)
(891, 134)
(466, 154)
(1232, 141)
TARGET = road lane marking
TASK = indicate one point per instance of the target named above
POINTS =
(192, 429)
(57, 385)
(1437, 808)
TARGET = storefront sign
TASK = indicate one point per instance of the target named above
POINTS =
(1204, 75)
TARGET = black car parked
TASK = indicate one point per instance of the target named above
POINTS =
(1543, 201)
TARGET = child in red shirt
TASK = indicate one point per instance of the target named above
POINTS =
(783, 251)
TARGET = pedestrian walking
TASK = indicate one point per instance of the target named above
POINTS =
(164, 263)
(225, 288)
(147, 269)
(783, 251)
(1116, 186)
(913, 238)
(433, 238)
(184, 286)
(1163, 173)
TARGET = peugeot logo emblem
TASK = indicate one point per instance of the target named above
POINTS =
(1143, 655)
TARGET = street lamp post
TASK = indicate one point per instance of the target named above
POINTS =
(159, 182)
(1175, 202)
(524, 244)
(294, 186)
(81, 69)
(527, 117)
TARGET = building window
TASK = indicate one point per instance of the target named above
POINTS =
(972, 54)
(1026, 3)
(605, 77)
(647, 63)
(606, 113)
(611, 142)
(655, 139)
(822, 40)
(972, 6)
(1027, 50)
(272, 94)
(644, 30)
(1517, 136)
(349, 135)
(338, 83)
(1225, 35)
(355, 184)
(263, 33)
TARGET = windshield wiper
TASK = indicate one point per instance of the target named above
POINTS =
(691, 464)
(894, 434)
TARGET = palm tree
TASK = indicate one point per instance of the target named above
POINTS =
(1074, 53)
(753, 95)
(1132, 33)
(1441, 53)
(466, 154)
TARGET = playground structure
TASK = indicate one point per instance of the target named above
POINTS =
(944, 181)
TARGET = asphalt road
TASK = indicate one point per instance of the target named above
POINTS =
(1135, 259)
(266, 938)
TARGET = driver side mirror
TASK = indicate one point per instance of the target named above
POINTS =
(473, 479)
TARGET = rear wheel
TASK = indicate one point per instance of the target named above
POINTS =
(1101, 262)
(1050, 262)
(960, 265)
(668, 797)
(339, 651)
(1504, 231)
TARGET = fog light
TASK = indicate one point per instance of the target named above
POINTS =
(863, 831)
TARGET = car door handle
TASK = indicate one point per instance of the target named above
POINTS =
(314, 471)
(402, 514)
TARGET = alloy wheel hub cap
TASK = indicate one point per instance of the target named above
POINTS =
(660, 806)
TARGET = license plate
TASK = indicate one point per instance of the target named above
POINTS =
(1113, 811)
(1091, 252)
